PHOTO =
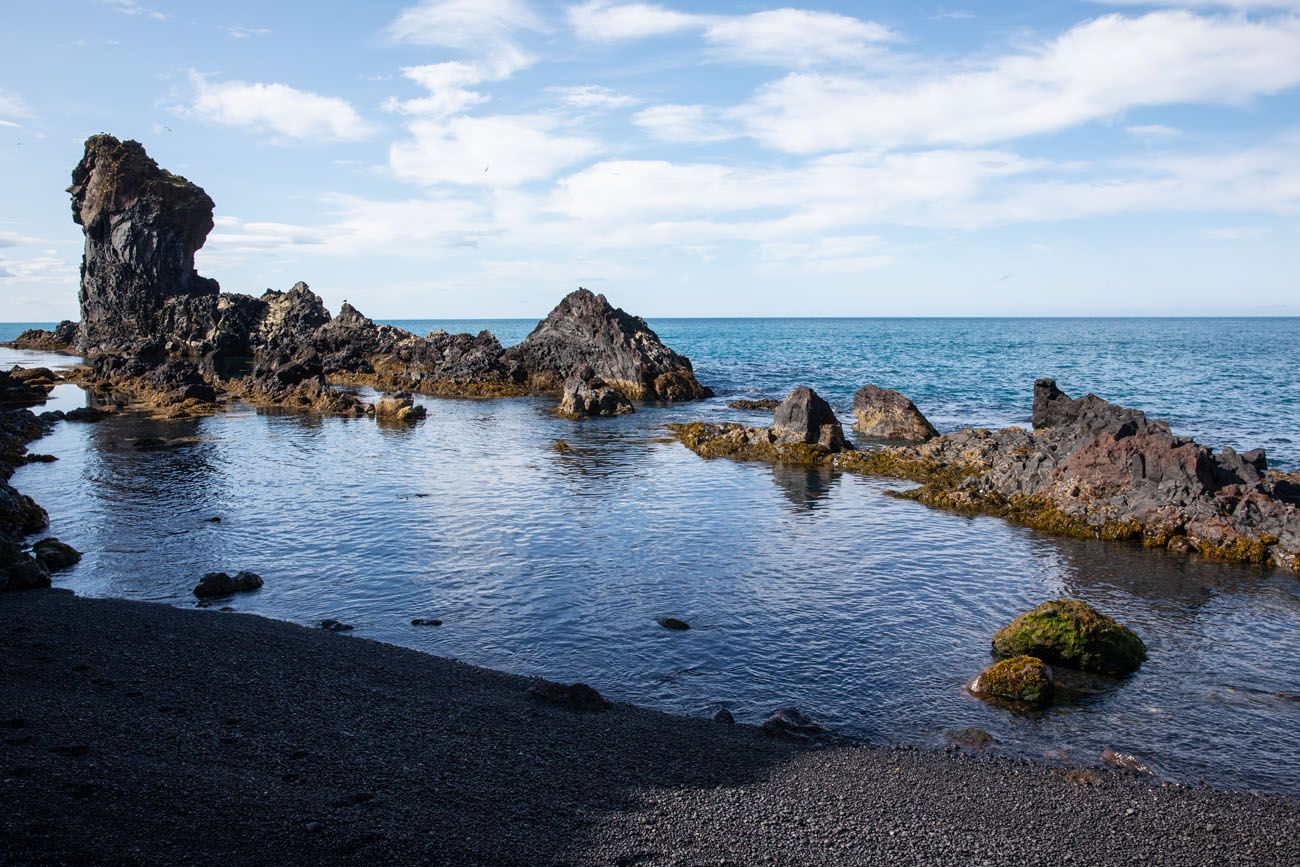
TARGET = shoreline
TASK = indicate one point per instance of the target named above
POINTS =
(139, 732)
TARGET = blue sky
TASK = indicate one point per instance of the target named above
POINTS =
(466, 158)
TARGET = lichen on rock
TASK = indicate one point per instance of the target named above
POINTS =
(1024, 679)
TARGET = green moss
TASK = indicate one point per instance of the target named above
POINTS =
(1073, 634)
(1021, 678)
(1244, 549)
(896, 463)
(728, 440)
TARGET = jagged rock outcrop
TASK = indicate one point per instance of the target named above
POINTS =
(19, 514)
(1090, 469)
(400, 408)
(585, 328)
(20, 390)
(586, 394)
(803, 417)
(144, 309)
(142, 226)
(882, 413)
(62, 339)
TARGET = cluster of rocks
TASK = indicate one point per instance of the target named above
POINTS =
(152, 326)
(1088, 468)
(21, 567)
(1064, 633)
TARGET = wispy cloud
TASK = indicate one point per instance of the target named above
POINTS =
(247, 32)
(592, 96)
(133, 7)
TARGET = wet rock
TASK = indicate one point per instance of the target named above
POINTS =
(426, 621)
(62, 339)
(969, 737)
(330, 625)
(39, 459)
(56, 555)
(1071, 634)
(883, 413)
(86, 414)
(767, 403)
(803, 417)
(622, 350)
(673, 623)
(561, 446)
(1020, 678)
(586, 394)
(216, 584)
(399, 408)
(790, 723)
(1124, 762)
(724, 717)
(17, 392)
(23, 573)
(575, 696)
(142, 228)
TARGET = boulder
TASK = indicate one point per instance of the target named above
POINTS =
(399, 408)
(803, 417)
(883, 413)
(724, 717)
(216, 584)
(585, 328)
(15, 392)
(1071, 634)
(574, 696)
(142, 227)
(1025, 679)
(24, 573)
(792, 724)
(86, 413)
(56, 555)
(586, 394)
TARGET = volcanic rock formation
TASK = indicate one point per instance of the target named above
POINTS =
(885, 414)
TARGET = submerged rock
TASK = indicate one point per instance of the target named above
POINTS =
(1071, 634)
(673, 623)
(216, 584)
(766, 403)
(883, 413)
(86, 414)
(331, 625)
(724, 717)
(1025, 679)
(575, 696)
(56, 555)
(586, 394)
(969, 737)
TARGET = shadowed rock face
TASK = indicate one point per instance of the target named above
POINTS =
(622, 349)
(142, 225)
(886, 414)
(803, 417)
(586, 394)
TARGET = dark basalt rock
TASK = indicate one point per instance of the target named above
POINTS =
(622, 349)
(62, 339)
(575, 696)
(803, 417)
(767, 403)
(16, 391)
(883, 413)
(20, 516)
(724, 717)
(792, 724)
(330, 625)
(425, 621)
(216, 584)
(673, 623)
(56, 555)
(586, 394)
(143, 226)
(86, 413)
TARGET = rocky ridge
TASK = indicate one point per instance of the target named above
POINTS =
(155, 329)
(1088, 469)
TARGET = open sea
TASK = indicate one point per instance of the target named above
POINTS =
(806, 588)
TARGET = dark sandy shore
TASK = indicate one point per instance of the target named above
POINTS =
(138, 733)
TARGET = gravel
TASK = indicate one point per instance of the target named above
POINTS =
(137, 733)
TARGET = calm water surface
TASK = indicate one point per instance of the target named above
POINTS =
(801, 587)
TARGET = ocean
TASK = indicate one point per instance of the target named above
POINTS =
(806, 588)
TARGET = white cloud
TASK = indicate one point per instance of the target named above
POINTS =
(1240, 5)
(496, 151)
(684, 124)
(133, 7)
(1095, 70)
(488, 29)
(247, 32)
(1237, 233)
(592, 96)
(12, 105)
(448, 85)
(782, 37)
(277, 109)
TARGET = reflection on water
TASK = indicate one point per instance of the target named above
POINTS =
(805, 588)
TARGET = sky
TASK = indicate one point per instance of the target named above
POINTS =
(481, 158)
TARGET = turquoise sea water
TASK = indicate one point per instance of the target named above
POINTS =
(806, 588)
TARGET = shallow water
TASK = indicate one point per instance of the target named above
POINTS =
(801, 587)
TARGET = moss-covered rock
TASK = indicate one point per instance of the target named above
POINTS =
(56, 555)
(1072, 634)
(1021, 678)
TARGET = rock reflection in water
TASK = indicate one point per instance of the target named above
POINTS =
(804, 486)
